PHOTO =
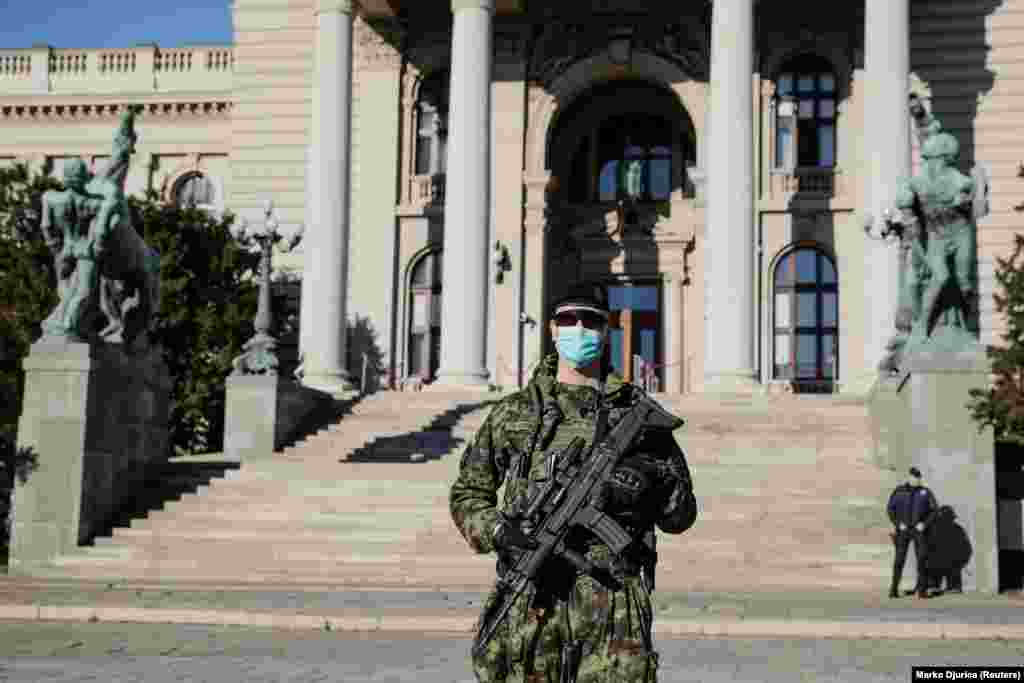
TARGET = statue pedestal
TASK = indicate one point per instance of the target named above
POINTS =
(95, 418)
(957, 462)
(889, 412)
(263, 412)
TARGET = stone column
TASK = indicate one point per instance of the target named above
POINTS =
(674, 316)
(887, 66)
(729, 351)
(467, 205)
(327, 255)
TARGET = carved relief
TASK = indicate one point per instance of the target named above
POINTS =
(562, 43)
(73, 112)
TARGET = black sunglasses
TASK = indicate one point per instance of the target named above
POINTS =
(591, 321)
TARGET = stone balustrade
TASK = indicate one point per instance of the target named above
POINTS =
(825, 182)
(427, 190)
(46, 70)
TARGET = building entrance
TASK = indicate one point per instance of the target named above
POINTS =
(634, 337)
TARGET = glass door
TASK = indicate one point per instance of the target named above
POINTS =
(635, 334)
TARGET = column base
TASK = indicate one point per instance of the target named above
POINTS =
(337, 384)
(460, 381)
(732, 383)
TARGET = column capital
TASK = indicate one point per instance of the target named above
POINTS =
(458, 5)
(334, 6)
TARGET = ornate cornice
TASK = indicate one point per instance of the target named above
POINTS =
(83, 112)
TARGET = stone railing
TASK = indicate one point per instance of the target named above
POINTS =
(427, 190)
(45, 70)
(824, 182)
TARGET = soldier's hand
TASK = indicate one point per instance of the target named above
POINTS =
(508, 535)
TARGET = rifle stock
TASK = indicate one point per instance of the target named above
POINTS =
(572, 497)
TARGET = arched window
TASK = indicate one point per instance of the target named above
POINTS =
(424, 347)
(805, 114)
(805, 317)
(626, 144)
(432, 124)
(194, 189)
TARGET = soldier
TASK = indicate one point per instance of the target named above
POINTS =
(911, 509)
(572, 626)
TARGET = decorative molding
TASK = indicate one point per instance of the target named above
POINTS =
(85, 112)
(563, 43)
(375, 45)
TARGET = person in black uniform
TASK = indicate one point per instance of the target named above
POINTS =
(911, 509)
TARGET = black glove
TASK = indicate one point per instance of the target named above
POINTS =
(509, 535)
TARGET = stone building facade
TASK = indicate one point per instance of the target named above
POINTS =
(460, 163)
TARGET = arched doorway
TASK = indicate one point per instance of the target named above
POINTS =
(805, 319)
(423, 339)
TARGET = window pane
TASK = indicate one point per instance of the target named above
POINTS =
(806, 356)
(662, 152)
(783, 351)
(807, 143)
(641, 298)
(422, 155)
(827, 82)
(648, 345)
(828, 271)
(416, 344)
(784, 271)
(828, 355)
(420, 272)
(633, 152)
(616, 298)
(435, 311)
(829, 309)
(807, 109)
(806, 266)
(805, 83)
(427, 117)
(608, 181)
(784, 144)
(807, 309)
(782, 309)
(826, 146)
(419, 309)
(615, 337)
(826, 109)
(661, 178)
(785, 84)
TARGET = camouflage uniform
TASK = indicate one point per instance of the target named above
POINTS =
(609, 624)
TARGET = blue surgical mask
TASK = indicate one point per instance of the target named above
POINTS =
(578, 345)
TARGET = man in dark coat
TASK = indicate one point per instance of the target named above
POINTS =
(911, 509)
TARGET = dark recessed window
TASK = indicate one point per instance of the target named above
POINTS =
(431, 124)
(805, 114)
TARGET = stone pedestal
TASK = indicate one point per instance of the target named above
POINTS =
(95, 418)
(957, 462)
(889, 412)
(262, 413)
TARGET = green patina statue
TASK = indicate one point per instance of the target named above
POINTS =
(106, 272)
(936, 220)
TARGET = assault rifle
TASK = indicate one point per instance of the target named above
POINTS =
(574, 496)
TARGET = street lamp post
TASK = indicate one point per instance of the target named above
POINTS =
(259, 353)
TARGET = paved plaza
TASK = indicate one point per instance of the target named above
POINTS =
(48, 651)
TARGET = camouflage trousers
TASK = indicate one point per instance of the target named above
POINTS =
(607, 624)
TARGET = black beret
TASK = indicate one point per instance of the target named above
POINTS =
(591, 295)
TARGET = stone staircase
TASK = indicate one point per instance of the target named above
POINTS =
(787, 492)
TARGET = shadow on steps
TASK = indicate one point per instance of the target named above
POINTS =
(326, 414)
(432, 443)
(163, 483)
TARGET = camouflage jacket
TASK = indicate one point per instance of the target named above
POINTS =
(503, 441)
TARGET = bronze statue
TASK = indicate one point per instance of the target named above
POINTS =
(103, 265)
(936, 222)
